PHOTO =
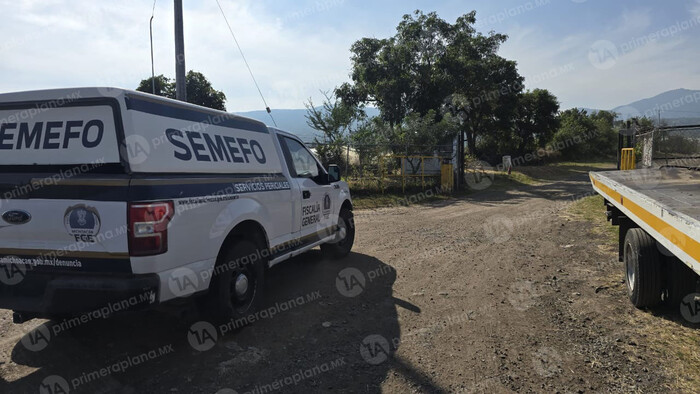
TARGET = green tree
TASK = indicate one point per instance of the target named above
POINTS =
(370, 139)
(487, 91)
(335, 120)
(421, 135)
(584, 136)
(430, 64)
(403, 73)
(537, 120)
(164, 86)
(199, 90)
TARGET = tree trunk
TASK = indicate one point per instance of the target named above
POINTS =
(471, 143)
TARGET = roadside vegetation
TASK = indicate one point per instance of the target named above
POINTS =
(670, 338)
(365, 197)
(435, 83)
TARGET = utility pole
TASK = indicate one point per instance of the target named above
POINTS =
(180, 84)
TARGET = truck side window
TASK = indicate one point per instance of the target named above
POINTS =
(303, 162)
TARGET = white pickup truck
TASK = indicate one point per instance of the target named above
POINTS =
(109, 195)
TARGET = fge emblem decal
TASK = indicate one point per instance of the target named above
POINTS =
(326, 206)
(82, 222)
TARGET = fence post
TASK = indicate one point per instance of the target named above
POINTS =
(403, 174)
(381, 173)
(347, 163)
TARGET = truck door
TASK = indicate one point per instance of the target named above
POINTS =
(314, 215)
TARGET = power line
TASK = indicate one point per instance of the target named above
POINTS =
(267, 107)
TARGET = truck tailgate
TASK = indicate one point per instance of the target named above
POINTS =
(60, 227)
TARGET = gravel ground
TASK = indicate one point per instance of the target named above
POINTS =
(501, 291)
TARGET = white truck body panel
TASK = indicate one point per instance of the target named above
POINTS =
(76, 183)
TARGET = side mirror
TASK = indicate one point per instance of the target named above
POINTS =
(333, 173)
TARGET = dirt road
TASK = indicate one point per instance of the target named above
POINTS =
(498, 292)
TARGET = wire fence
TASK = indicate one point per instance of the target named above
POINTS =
(679, 146)
(390, 168)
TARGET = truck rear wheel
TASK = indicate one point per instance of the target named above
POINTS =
(680, 281)
(642, 269)
(236, 289)
(342, 245)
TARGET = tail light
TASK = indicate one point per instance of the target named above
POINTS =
(148, 227)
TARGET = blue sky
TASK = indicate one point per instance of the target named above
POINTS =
(589, 53)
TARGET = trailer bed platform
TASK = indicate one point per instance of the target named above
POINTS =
(664, 202)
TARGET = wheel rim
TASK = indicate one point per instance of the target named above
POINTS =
(243, 288)
(342, 231)
(629, 264)
(341, 234)
(241, 285)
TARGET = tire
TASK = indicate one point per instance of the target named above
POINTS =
(340, 248)
(238, 282)
(642, 269)
(679, 281)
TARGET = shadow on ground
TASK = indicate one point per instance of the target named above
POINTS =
(309, 340)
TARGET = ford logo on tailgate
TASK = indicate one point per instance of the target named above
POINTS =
(16, 217)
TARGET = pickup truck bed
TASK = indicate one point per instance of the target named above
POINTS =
(664, 202)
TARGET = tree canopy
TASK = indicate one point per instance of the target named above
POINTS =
(199, 90)
(434, 80)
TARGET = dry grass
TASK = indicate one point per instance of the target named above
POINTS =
(592, 210)
(672, 341)
(368, 194)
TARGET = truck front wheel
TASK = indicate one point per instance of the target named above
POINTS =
(345, 238)
(642, 269)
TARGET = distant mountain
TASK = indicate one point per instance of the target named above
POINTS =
(680, 106)
(589, 110)
(293, 121)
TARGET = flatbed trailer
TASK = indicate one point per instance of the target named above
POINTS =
(658, 213)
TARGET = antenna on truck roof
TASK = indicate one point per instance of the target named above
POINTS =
(267, 107)
(153, 68)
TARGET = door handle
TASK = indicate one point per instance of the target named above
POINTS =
(306, 194)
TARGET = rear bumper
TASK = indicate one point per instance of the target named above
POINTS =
(49, 295)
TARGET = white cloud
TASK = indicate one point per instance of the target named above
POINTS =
(88, 43)
(639, 67)
(61, 43)
(634, 21)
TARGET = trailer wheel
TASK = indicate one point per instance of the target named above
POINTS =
(346, 236)
(680, 281)
(237, 285)
(642, 269)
